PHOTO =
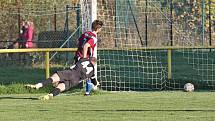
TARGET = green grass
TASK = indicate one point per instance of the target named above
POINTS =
(110, 106)
(13, 78)
(19, 74)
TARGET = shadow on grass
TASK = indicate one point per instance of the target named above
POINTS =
(17, 98)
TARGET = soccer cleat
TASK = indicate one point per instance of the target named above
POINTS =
(46, 97)
(30, 86)
(86, 94)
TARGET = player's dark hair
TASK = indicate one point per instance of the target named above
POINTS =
(97, 24)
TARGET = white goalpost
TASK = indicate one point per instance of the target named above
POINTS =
(89, 14)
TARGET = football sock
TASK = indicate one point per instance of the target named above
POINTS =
(45, 82)
(55, 92)
(89, 87)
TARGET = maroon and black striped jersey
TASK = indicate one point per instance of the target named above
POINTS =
(87, 37)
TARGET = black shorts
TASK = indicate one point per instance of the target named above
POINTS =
(69, 77)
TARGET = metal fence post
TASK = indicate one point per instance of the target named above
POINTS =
(169, 63)
(171, 23)
(203, 22)
(47, 64)
(78, 17)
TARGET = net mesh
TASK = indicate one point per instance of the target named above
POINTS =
(131, 27)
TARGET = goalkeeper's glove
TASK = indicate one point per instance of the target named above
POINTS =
(95, 81)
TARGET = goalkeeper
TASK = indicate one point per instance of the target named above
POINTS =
(66, 79)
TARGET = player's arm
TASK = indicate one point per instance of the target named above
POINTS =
(85, 49)
(71, 67)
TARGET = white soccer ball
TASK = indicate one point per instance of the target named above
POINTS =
(188, 87)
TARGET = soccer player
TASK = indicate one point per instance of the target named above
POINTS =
(66, 79)
(87, 42)
(86, 46)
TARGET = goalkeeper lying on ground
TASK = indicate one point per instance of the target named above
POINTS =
(66, 79)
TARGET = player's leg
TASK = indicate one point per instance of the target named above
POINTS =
(91, 84)
(52, 80)
(89, 87)
(56, 91)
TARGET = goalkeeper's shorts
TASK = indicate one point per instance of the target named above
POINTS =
(69, 77)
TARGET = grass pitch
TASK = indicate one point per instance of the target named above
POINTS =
(110, 106)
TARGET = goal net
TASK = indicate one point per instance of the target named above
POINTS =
(132, 53)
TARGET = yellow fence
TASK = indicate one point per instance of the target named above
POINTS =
(45, 50)
(48, 50)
